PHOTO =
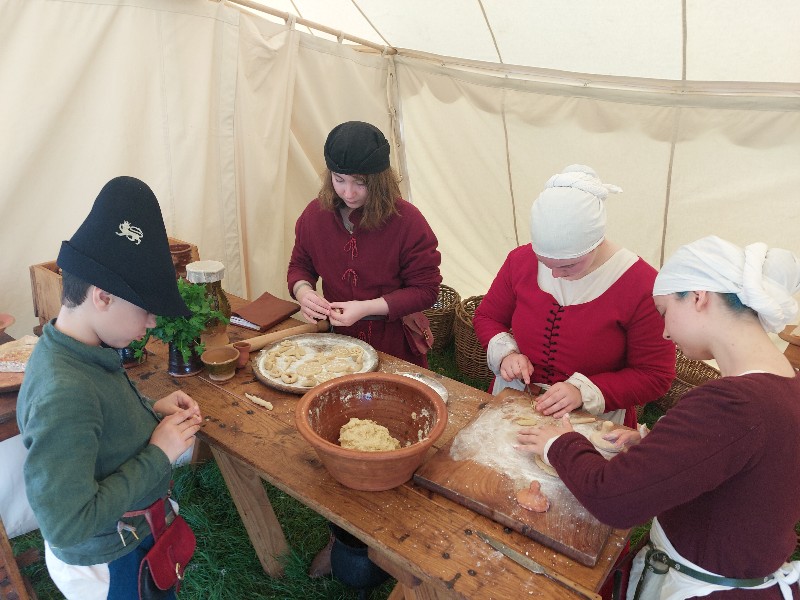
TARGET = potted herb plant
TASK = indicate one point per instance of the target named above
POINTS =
(183, 333)
(134, 354)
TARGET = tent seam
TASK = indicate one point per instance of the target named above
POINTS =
(508, 167)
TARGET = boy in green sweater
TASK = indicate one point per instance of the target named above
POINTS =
(96, 447)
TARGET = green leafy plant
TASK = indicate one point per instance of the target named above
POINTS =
(184, 332)
(138, 346)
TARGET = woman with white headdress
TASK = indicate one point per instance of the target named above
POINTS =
(580, 308)
(719, 471)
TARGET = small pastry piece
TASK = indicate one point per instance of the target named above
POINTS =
(309, 369)
(532, 498)
(339, 366)
(324, 376)
(289, 378)
(257, 400)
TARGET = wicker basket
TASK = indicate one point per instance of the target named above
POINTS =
(441, 316)
(470, 355)
(688, 374)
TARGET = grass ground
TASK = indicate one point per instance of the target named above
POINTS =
(225, 566)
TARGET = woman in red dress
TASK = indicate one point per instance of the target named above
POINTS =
(573, 312)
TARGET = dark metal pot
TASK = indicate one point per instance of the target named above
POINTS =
(177, 367)
(350, 563)
(126, 355)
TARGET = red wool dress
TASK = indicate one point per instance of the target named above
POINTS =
(399, 261)
(615, 340)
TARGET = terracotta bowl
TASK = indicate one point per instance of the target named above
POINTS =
(413, 413)
(220, 362)
(6, 320)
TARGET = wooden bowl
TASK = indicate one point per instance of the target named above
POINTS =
(6, 320)
(413, 413)
(220, 362)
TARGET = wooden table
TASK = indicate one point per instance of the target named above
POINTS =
(12, 583)
(422, 539)
(8, 405)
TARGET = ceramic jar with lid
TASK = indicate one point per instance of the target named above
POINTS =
(210, 274)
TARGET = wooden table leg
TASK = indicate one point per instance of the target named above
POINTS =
(201, 452)
(256, 511)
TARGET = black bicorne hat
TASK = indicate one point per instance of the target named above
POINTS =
(122, 248)
(356, 148)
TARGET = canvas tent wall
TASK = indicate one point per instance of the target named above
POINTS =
(692, 108)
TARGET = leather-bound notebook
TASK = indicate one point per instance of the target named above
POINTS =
(264, 312)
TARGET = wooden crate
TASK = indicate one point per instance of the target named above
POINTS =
(46, 289)
(46, 286)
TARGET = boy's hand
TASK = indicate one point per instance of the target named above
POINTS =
(175, 433)
(176, 401)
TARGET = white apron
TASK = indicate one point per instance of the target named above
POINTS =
(674, 585)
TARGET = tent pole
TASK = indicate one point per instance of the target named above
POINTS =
(340, 35)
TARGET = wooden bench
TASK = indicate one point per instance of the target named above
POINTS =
(14, 585)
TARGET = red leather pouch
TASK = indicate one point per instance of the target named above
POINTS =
(161, 569)
(417, 328)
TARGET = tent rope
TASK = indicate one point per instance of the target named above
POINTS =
(371, 24)
(491, 32)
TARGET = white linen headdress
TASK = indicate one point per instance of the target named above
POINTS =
(763, 279)
(568, 219)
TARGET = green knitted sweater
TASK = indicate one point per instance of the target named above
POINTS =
(87, 430)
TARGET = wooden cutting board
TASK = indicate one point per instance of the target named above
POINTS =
(10, 382)
(487, 473)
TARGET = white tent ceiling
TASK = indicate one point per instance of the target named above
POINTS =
(725, 40)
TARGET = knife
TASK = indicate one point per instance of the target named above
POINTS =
(535, 567)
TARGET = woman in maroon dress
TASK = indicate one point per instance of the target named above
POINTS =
(375, 252)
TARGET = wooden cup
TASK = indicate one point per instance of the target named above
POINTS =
(244, 353)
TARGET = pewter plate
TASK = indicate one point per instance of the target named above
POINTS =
(316, 347)
(429, 381)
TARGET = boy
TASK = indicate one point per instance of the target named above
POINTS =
(96, 447)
